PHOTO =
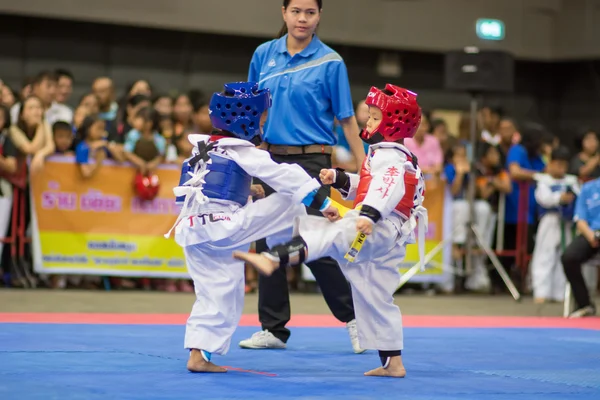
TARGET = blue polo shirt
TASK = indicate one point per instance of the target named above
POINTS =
(587, 205)
(518, 154)
(308, 89)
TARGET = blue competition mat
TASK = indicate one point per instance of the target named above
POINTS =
(53, 361)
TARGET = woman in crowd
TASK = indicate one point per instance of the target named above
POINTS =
(586, 164)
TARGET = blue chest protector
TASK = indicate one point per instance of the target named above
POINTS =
(566, 211)
(225, 181)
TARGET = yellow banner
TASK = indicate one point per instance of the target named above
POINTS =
(98, 226)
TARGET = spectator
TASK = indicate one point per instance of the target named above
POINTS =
(523, 162)
(134, 104)
(507, 136)
(8, 96)
(64, 88)
(145, 147)
(8, 169)
(44, 88)
(104, 90)
(63, 138)
(583, 247)
(182, 115)
(141, 86)
(439, 129)
(427, 149)
(31, 135)
(489, 121)
(90, 102)
(586, 164)
(164, 105)
(80, 113)
(26, 88)
(201, 117)
(92, 148)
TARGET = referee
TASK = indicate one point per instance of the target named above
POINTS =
(309, 85)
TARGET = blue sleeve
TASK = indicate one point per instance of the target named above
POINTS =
(516, 154)
(255, 66)
(161, 143)
(580, 209)
(82, 153)
(450, 173)
(339, 90)
(130, 140)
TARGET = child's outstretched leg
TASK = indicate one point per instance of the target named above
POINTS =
(293, 252)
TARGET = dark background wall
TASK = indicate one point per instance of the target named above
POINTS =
(563, 95)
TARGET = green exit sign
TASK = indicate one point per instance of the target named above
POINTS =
(490, 29)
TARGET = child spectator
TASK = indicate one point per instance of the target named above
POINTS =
(201, 117)
(63, 138)
(144, 146)
(92, 147)
(164, 105)
(555, 193)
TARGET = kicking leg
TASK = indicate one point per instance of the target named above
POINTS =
(292, 253)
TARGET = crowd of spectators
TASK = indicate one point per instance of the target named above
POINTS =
(146, 129)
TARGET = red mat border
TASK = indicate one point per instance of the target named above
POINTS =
(316, 321)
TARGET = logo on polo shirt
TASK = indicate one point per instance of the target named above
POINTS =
(271, 63)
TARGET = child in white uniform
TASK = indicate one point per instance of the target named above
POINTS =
(216, 218)
(388, 198)
(555, 194)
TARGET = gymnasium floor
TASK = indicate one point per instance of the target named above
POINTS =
(92, 345)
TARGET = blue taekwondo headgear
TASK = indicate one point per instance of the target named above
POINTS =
(238, 108)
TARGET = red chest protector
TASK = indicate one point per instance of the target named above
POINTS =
(411, 181)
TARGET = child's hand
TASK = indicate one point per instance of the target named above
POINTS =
(364, 225)
(37, 164)
(326, 176)
(257, 191)
(332, 213)
(567, 198)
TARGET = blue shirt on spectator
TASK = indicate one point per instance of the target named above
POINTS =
(450, 173)
(518, 154)
(134, 135)
(587, 205)
(82, 153)
(308, 89)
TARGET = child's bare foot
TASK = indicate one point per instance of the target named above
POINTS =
(395, 369)
(263, 264)
(197, 363)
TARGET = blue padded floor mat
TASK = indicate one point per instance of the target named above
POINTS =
(54, 361)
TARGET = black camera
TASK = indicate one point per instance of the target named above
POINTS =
(597, 235)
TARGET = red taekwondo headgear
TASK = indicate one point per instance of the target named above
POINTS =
(401, 114)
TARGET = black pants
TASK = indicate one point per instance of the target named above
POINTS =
(273, 294)
(577, 253)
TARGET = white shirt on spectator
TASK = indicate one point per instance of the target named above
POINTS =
(56, 112)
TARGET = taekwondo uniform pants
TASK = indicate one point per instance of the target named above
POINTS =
(208, 241)
(547, 274)
(374, 276)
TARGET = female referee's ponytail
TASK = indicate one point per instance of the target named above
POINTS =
(286, 3)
